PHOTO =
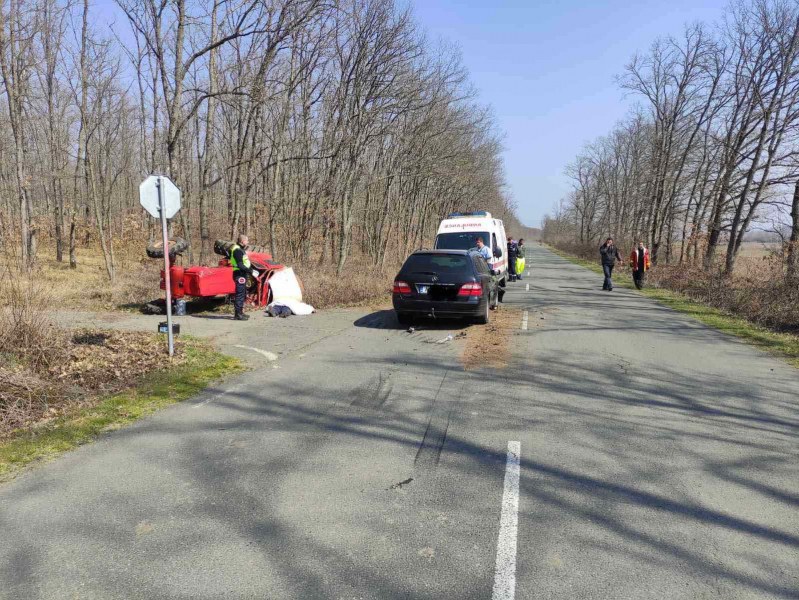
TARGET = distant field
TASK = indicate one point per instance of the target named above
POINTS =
(757, 249)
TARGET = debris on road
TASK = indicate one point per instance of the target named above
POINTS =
(399, 484)
(489, 346)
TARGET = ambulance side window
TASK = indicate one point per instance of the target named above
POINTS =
(495, 246)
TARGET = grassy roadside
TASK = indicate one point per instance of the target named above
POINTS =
(783, 345)
(153, 392)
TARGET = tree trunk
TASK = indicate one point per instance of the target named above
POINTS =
(793, 241)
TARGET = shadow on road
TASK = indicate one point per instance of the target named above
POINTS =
(387, 319)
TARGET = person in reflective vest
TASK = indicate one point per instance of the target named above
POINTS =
(241, 269)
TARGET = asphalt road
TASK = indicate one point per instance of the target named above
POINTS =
(656, 459)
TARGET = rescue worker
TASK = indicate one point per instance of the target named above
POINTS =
(639, 263)
(513, 252)
(241, 269)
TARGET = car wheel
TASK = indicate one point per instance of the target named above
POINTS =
(404, 318)
(485, 316)
(495, 301)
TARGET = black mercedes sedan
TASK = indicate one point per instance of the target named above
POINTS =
(445, 284)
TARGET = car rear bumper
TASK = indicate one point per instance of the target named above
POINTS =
(463, 307)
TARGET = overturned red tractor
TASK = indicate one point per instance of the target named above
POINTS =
(208, 282)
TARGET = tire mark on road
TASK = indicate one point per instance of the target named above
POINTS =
(435, 436)
(375, 392)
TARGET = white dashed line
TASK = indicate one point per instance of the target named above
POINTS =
(525, 316)
(527, 288)
(505, 573)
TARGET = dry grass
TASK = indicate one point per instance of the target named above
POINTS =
(137, 280)
(87, 287)
(758, 290)
(91, 364)
(361, 285)
(489, 346)
(46, 371)
(27, 333)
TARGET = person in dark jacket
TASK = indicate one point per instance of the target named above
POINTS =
(609, 255)
(513, 252)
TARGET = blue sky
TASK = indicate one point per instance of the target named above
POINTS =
(547, 68)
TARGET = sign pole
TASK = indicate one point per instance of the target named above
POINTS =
(167, 279)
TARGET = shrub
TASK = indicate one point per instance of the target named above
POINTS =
(27, 332)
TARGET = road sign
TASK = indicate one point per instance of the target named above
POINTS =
(161, 198)
(148, 196)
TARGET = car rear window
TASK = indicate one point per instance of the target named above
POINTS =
(461, 240)
(437, 263)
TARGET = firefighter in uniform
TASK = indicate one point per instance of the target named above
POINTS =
(241, 269)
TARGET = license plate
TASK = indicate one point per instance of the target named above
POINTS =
(422, 289)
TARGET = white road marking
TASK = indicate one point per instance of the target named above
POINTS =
(527, 288)
(525, 316)
(505, 572)
(270, 356)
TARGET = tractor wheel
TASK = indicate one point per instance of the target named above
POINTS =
(176, 246)
(222, 248)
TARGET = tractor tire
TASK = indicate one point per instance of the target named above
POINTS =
(176, 247)
(222, 248)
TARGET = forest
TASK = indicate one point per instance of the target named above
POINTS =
(326, 130)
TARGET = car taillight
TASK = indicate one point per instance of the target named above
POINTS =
(400, 287)
(471, 289)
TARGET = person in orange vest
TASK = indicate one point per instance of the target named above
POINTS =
(639, 263)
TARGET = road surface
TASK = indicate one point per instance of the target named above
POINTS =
(625, 452)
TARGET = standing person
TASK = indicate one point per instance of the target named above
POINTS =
(609, 255)
(482, 249)
(513, 252)
(639, 263)
(241, 269)
(520, 259)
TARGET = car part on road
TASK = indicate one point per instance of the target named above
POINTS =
(177, 246)
(156, 307)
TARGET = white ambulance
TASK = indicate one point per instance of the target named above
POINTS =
(459, 231)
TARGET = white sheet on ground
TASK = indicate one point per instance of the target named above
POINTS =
(295, 306)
